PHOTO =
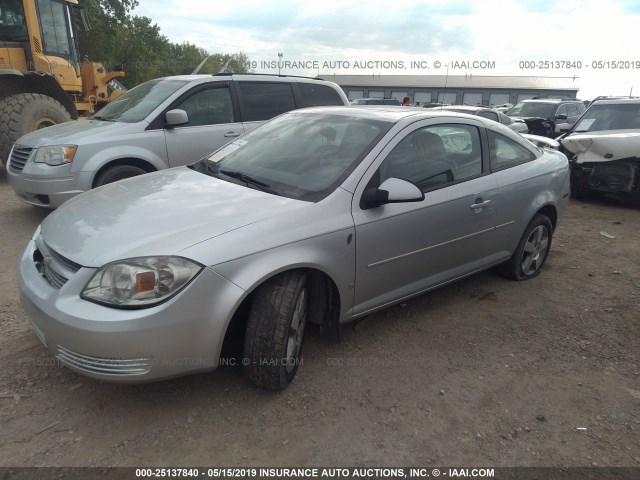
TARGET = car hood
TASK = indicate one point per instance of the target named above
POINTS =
(603, 146)
(161, 213)
(76, 132)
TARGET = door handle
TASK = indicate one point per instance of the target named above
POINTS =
(476, 206)
(232, 134)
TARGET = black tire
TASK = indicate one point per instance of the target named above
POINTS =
(24, 113)
(117, 172)
(531, 252)
(275, 330)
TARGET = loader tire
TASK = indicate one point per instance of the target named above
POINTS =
(24, 113)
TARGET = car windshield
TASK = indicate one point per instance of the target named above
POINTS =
(305, 156)
(609, 117)
(532, 109)
(139, 102)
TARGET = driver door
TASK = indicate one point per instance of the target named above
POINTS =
(406, 248)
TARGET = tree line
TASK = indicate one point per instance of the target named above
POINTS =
(118, 37)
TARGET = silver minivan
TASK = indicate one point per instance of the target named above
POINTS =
(159, 124)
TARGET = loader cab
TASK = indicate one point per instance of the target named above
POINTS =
(38, 35)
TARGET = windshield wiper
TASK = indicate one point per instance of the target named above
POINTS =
(105, 119)
(265, 187)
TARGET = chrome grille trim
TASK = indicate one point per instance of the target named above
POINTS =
(110, 366)
(64, 262)
(19, 157)
(55, 268)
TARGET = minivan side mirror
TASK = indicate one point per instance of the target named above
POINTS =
(562, 128)
(392, 190)
(561, 117)
(175, 118)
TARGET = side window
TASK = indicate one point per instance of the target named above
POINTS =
(54, 27)
(435, 156)
(504, 119)
(572, 109)
(487, 114)
(506, 153)
(262, 100)
(314, 94)
(562, 110)
(208, 107)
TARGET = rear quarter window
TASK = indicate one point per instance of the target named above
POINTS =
(506, 152)
(312, 95)
(263, 100)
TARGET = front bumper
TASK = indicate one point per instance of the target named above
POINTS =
(46, 186)
(180, 336)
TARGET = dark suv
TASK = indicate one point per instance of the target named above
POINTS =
(542, 116)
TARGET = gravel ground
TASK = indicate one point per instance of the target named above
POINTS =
(484, 372)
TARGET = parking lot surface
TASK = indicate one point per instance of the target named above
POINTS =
(484, 372)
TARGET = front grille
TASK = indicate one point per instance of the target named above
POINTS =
(19, 157)
(100, 365)
(55, 268)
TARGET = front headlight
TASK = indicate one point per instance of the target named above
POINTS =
(140, 282)
(56, 155)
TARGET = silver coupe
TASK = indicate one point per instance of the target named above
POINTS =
(320, 216)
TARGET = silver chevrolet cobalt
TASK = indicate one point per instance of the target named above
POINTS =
(319, 217)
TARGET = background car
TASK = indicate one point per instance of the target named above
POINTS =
(517, 126)
(541, 116)
(159, 124)
(376, 101)
(321, 216)
(604, 149)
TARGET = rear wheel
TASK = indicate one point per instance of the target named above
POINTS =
(532, 250)
(275, 330)
(118, 172)
(24, 113)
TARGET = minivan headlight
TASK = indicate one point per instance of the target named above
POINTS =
(56, 155)
(140, 282)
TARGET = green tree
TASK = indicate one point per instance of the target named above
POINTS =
(117, 37)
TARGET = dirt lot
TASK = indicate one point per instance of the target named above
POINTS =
(485, 372)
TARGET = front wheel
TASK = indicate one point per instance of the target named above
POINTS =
(531, 252)
(275, 330)
(118, 172)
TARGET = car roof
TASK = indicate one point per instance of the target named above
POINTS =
(470, 108)
(550, 100)
(392, 114)
(259, 77)
(616, 101)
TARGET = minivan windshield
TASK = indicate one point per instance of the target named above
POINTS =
(304, 156)
(602, 116)
(139, 102)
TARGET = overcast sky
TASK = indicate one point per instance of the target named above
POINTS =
(505, 32)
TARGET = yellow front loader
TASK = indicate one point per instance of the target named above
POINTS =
(42, 80)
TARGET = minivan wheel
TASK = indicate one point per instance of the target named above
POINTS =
(275, 330)
(531, 252)
(118, 172)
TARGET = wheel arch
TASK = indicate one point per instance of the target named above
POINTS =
(133, 161)
(324, 307)
(13, 82)
(549, 211)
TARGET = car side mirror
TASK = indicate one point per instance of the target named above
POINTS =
(175, 118)
(392, 190)
(561, 117)
(563, 128)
